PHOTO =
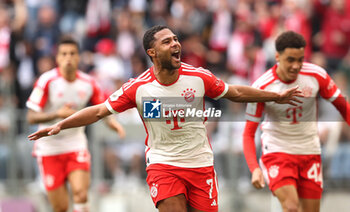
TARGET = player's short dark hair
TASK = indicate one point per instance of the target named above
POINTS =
(148, 37)
(289, 39)
(66, 39)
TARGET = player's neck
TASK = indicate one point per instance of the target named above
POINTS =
(280, 75)
(68, 75)
(166, 76)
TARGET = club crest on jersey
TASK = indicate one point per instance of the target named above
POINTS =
(273, 171)
(307, 91)
(49, 180)
(152, 109)
(154, 190)
(188, 94)
(81, 94)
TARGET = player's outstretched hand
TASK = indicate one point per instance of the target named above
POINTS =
(289, 96)
(52, 130)
(258, 179)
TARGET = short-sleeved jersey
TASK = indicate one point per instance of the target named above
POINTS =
(292, 129)
(51, 92)
(174, 142)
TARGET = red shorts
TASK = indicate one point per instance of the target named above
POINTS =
(199, 185)
(302, 171)
(55, 169)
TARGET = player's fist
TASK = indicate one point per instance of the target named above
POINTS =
(258, 179)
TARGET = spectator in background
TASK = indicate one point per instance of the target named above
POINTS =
(57, 94)
(296, 18)
(5, 32)
(98, 23)
(245, 57)
(26, 72)
(109, 68)
(334, 36)
(47, 33)
(125, 41)
(5, 129)
(72, 17)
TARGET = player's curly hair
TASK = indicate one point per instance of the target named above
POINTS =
(148, 38)
(289, 39)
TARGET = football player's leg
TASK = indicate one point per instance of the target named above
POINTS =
(176, 203)
(310, 205)
(310, 185)
(59, 198)
(288, 197)
(80, 181)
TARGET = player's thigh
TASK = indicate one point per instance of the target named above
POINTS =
(279, 170)
(79, 181)
(59, 198)
(310, 205)
(310, 185)
(287, 195)
(202, 189)
(176, 203)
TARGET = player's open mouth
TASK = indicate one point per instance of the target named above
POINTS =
(176, 55)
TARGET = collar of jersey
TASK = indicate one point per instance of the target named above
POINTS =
(180, 72)
(274, 71)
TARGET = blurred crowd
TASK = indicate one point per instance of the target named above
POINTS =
(232, 38)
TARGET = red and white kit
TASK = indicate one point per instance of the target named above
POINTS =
(172, 142)
(68, 149)
(51, 92)
(290, 129)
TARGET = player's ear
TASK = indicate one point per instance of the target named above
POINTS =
(151, 52)
(277, 57)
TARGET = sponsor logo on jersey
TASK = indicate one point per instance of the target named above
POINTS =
(152, 109)
(273, 171)
(188, 94)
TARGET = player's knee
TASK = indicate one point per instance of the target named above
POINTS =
(290, 206)
(80, 195)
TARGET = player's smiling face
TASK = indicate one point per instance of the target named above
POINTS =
(167, 49)
(290, 63)
(67, 57)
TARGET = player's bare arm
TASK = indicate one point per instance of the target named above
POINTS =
(116, 126)
(241, 93)
(83, 117)
(34, 117)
